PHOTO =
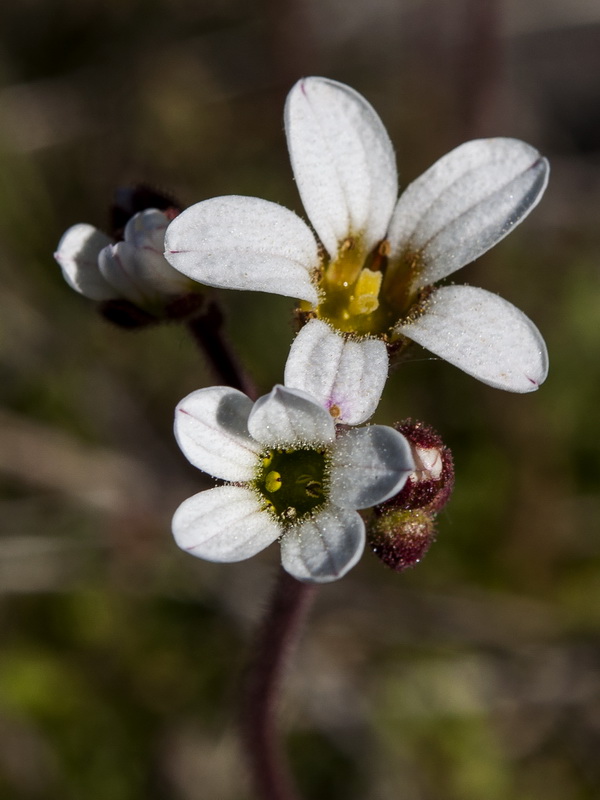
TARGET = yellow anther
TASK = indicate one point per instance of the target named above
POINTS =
(365, 298)
(267, 460)
(273, 481)
(335, 411)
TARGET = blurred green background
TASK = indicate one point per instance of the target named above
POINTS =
(475, 675)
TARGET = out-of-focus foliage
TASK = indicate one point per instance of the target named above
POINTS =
(474, 675)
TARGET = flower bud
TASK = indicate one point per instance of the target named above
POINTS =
(402, 529)
(401, 538)
(131, 280)
(430, 484)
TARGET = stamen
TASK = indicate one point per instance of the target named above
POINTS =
(385, 248)
(346, 267)
(273, 481)
(366, 293)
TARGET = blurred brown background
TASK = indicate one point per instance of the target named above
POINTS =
(475, 674)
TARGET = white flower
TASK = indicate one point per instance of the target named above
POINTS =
(369, 276)
(289, 478)
(134, 269)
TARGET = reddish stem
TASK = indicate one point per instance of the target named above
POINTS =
(280, 628)
(207, 331)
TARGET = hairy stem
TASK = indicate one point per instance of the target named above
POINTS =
(268, 765)
(207, 331)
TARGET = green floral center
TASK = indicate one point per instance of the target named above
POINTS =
(365, 293)
(293, 483)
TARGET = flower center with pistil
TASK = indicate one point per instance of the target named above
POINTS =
(365, 293)
(293, 482)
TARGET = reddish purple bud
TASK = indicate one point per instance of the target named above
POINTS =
(429, 486)
(402, 529)
(401, 538)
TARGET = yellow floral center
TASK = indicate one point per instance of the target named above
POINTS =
(364, 292)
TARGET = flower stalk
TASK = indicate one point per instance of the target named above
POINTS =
(279, 632)
(206, 329)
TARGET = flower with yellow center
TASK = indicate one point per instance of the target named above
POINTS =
(292, 475)
(368, 275)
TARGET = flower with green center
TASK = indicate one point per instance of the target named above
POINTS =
(134, 269)
(368, 276)
(291, 475)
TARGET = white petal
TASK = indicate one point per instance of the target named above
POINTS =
(369, 465)
(211, 427)
(224, 524)
(343, 161)
(147, 229)
(325, 548)
(483, 335)
(140, 274)
(150, 269)
(346, 373)
(77, 254)
(465, 203)
(156, 276)
(244, 243)
(117, 264)
(290, 417)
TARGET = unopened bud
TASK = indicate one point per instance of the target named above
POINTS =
(401, 538)
(430, 484)
(402, 529)
(131, 280)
